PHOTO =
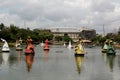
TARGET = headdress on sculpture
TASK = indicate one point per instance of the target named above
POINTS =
(29, 40)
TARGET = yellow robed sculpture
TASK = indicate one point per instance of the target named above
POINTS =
(79, 50)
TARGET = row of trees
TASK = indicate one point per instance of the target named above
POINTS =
(99, 39)
(13, 33)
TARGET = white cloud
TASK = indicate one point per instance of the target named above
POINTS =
(63, 13)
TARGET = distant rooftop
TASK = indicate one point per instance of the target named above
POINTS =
(65, 30)
(85, 28)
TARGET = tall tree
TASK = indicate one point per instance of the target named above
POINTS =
(2, 26)
(119, 30)
(43, 35)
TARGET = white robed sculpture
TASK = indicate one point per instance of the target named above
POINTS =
(5, 47)
(70, 45)
(42, 44)
(18, 45)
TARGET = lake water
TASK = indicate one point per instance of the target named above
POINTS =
(59, 64)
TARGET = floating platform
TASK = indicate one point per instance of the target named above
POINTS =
(80, 54)
(104, 51)
(5, 51)
(19, 49)
(46, 49)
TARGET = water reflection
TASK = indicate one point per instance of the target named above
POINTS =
(61, 65)
(5, 60)
(109, 59)
(119, 61)
(79, 62)
(46, 54)
(29, 61)
(19, 55)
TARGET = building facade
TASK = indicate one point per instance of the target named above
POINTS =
(88, 34)
(71, 32)
(74, 33)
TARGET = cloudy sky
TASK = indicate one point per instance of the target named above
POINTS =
(62, 13)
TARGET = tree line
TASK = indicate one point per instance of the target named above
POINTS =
(115, 37)
(12, 33)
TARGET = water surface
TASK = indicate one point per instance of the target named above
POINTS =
(59, 64)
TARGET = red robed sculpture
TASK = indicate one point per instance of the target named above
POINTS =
(46, 46)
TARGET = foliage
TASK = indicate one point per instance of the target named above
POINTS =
(59, 38)
(43, 35)
(66, 38)
(13, 33)
(2, 26)
(117, 38)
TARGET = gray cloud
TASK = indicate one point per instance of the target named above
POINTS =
(102, 6)
(63, 13)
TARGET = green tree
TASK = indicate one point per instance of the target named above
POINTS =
(59, 38)
(43, 35)
(2, 26)
(117, 39)
(5, 34)
(66, 38)
(119, 31)
(110, 35)
(36, 35)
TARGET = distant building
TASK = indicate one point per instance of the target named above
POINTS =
(72, 32)
(44, 29)
(87, 34)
